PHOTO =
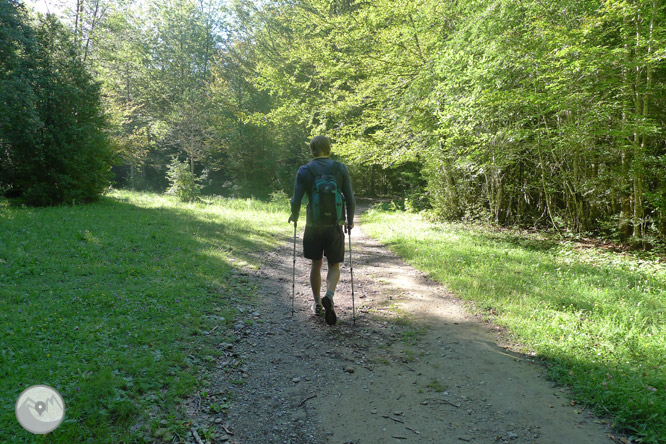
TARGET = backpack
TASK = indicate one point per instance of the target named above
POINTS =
(327, 201)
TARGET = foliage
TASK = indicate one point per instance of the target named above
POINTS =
(183, 181)
(54, 147)
(595, 316)
(517, 112)
(546, 114)
(124, 337)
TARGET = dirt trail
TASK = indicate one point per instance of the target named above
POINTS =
(415, 368)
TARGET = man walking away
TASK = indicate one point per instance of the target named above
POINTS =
(328, 186)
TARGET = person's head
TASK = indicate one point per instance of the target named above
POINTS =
(320, 146)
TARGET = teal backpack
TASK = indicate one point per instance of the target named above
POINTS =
(327, 201)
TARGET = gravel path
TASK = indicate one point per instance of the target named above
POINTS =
(415, 367)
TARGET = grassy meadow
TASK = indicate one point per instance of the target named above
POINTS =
(111, 303)
(596, 317)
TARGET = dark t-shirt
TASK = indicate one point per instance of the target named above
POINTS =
(305, 180)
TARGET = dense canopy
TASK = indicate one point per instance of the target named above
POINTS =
(515, 112)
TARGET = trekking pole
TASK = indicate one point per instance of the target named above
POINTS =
(293, 275)
(351, 271)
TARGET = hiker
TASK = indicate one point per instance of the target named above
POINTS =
(328, 185)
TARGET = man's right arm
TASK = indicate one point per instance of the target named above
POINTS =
(299, 191)
(349, 197)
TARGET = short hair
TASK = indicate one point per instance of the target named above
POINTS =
(320, 146)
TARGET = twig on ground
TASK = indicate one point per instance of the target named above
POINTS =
(412, 430)
(393, 419)
(227, 431)
(443, 401)
(399, 437)
(196, 436)
(306, 399)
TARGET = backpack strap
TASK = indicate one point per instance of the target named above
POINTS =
(337, 173)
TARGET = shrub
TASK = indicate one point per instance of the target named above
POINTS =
(183, 182)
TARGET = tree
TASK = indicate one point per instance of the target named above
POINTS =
(65, 156)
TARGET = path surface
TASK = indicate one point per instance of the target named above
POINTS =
(415, 367)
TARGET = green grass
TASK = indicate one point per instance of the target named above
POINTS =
(110, 303)
(436, 386)
(598, 318)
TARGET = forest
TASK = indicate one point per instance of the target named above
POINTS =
(518, 113)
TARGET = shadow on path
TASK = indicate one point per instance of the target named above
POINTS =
(415, 367)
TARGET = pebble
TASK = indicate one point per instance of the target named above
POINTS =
(218, 420)
(296, 380)
(349, 369)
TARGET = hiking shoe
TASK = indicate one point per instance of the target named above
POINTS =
(329, 311)
(318, 309)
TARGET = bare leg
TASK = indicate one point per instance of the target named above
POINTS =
(315, 280)
(332, 277)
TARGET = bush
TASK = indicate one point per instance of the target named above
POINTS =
(183, 182)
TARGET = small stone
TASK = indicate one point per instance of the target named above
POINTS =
(373, 411)
(349, 369)
(218, 420)
(296, 380)
(512, 435)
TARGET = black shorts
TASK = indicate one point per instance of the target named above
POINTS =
(327, 240)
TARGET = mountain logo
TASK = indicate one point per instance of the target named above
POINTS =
(40, 409)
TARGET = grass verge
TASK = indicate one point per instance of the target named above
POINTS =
(111, 304)
(596, 317)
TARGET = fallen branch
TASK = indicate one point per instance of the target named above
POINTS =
(306, 399)
(196, 436)
(394, 419)
(227, 431)
(443, 401)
